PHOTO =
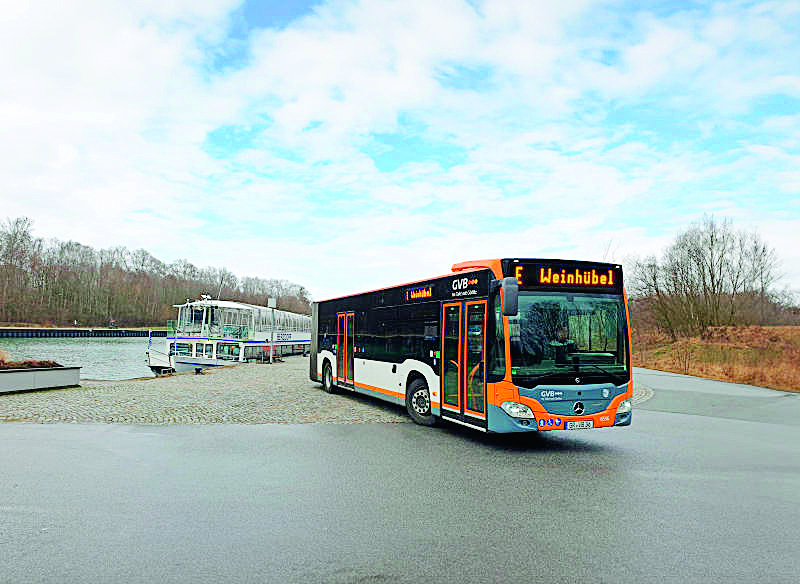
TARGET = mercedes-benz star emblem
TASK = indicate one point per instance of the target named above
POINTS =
(578, 408)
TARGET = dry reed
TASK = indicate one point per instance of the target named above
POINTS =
(762, 356)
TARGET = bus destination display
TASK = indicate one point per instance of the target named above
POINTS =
(570, 277)
(420, 293)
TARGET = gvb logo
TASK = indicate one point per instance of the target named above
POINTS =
(464, 283)
(465, 287)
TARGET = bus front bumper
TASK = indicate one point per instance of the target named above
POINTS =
(500, 422)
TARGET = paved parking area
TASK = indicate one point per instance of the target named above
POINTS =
(244, 394)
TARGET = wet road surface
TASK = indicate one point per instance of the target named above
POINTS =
(703, 487)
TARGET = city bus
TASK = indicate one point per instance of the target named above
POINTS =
(507, 345)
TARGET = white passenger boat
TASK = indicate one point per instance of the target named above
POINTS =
(210, 333)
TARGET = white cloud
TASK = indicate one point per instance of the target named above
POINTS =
(105, 109)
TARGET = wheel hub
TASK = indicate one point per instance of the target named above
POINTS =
(420, 402)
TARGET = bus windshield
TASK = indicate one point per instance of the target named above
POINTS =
(559, 336)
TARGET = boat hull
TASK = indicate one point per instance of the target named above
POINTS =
(183, 364)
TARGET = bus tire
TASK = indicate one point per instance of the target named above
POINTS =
(327, 378)
(418, 403)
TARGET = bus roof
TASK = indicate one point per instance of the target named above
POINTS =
(494, 265)
(475, 269)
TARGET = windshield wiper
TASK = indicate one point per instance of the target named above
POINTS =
(534, 381)
(614, 377)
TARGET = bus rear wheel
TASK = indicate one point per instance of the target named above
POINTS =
(418, 403)
(327, 378)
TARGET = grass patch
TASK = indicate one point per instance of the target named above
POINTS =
(763, 356)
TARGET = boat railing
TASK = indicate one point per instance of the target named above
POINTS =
(235, 331)
(227, 331)
(192, 329)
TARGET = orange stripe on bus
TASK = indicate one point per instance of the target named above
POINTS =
(630, 345)
(379, 389)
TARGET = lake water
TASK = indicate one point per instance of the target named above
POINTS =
(100, 358)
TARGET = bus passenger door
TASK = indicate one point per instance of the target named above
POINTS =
(340, 346)
(475, 361)
(345, 340)
(349, 347)
(463, 362)
(451, 359)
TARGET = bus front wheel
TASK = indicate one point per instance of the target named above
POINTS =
(327, 378)
(418, 403)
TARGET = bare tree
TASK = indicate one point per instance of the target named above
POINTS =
(711, 275)
(63, 282)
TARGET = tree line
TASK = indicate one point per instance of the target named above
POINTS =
(711, 275)
(60, 282)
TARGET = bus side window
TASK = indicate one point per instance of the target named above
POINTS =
(359, 325)
(389, 341)
(395, 340)
(327, 334)
(496, 345)
(367, 346)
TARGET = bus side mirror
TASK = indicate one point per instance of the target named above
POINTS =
(510, 289)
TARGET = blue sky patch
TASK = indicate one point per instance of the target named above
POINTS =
(226, 141)
(391, 151)
(313, 125)
(258, 14)
(775, 105)
(475, 78)
(233, 53)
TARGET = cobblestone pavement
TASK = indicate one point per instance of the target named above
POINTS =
(243, 394)
(280, 393)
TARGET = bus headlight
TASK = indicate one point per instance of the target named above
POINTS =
(624, 407)
(516, 410)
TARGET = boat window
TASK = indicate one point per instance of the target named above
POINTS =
(259, 353)
(229, 351)
(183, 349)
(209, 350)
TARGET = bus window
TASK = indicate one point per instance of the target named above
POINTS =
(495, 346)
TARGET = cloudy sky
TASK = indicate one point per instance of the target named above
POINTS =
(347, 145)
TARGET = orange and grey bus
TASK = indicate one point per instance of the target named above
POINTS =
(508, 345)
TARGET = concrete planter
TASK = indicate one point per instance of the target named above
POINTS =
(42, 378)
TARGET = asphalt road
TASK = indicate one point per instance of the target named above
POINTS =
(703, 487)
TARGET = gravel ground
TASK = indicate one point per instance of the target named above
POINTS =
(243, 394)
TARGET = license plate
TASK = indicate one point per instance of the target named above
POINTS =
(580, 425)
